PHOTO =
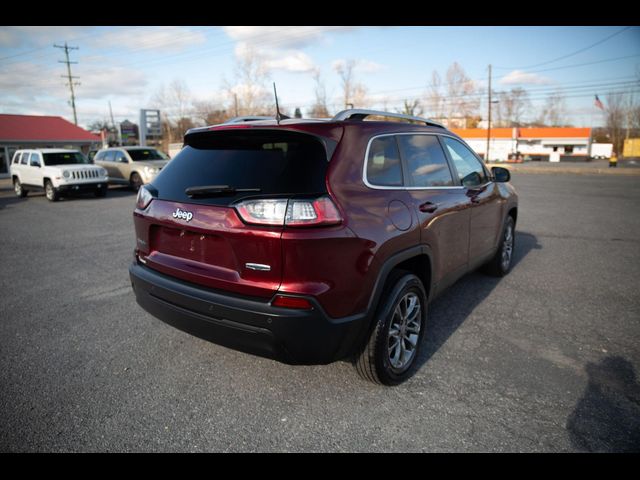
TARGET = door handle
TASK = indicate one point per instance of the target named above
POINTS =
(428, 207)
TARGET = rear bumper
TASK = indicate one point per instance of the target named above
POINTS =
(245, 324)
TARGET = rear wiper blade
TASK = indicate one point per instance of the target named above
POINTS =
(213, 190)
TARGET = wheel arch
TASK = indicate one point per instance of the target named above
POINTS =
(416, 260)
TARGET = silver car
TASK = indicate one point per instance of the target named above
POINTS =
(133, 166)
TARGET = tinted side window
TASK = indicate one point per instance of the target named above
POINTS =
(383, 163)
(16, 157)
(425, 161)
(119, 157)
(109, 156)
(24, 159)
(99, 156)
(466, 163)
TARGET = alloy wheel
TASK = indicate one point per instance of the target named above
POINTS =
(404, 332)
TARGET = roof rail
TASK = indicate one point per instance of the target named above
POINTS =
(248, 118)
(360, 114)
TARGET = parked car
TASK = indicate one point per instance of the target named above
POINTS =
(56, 171)
(310, 241)
(92, 154)
(133, 166)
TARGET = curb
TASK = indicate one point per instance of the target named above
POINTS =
(575, 171)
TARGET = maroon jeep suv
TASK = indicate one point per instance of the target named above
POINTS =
(309, 241)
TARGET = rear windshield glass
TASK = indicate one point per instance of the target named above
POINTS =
(64, 158)
(276, 163)
(139, 155)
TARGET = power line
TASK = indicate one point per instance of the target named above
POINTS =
(569, 54)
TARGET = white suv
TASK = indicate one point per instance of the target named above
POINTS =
(57, 172)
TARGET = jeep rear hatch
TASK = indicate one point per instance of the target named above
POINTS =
(219, 207)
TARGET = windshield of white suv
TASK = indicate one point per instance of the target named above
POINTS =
(64, 158)
(140, 155)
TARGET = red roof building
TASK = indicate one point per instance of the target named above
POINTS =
(31, 131)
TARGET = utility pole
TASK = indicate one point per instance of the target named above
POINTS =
(486, 157)
(235, 103)
(113, 123)
(70, 77)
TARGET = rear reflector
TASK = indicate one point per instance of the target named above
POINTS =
(292, 302)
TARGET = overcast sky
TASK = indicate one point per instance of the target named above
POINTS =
(127, 65)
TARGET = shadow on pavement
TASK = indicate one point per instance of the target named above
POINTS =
(450, 310)
(607, 417)
(4, 201)
(114, 192)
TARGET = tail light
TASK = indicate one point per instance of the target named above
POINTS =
(144, 198)
(290, 212)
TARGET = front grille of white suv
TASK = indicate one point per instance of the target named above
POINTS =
(85, 174)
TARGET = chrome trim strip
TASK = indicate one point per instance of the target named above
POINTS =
(258, 266)
(381, 187)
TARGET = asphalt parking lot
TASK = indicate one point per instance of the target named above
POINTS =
(545, 360)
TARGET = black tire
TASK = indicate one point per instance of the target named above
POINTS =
(135, 181)
(100, 192)
(18, 189)
(50, 192)
(498, 266)
(375, 362)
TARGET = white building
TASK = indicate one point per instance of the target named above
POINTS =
(502, 143)
(542, 144)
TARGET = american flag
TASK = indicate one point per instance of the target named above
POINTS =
(598, 103)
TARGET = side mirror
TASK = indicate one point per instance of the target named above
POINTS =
(500, 174)
(35, 164)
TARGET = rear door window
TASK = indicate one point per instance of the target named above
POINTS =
(271, 163)
(425, 161)
(383, 163)
(25, 158)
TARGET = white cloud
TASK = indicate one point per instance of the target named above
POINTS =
(518, 77)
(38, 36)
(28, 88)
(281, 36)
(166, 39)
(361, 65)
(294, 61)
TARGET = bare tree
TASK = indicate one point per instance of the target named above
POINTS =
(412, 108)
(553, 112)
(512, 106)
(209, 112)
(615, 119)
(353, 93)
(175, 102)
(435, 102)
(463, 101)
(319, 109)
(249, 93)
